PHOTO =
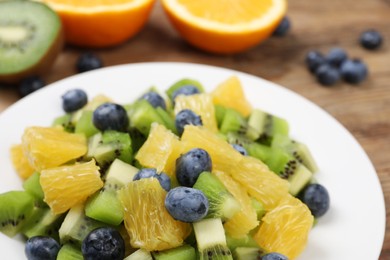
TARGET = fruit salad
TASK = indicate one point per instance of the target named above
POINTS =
(182, 174)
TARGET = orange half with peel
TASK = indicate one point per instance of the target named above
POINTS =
(225, 26)
(101, 23)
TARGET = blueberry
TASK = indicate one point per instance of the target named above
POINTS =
(190, 165)
(283, 27)
(186, 117)
(110, 116)
(327, 75)
(73, 100)
(145, 173)
(336, 56)
(30, 84)
(314, 59)
(103, 244)
(185, 90)
(41, 247)
(88, 61)
(154, 99)
(316, 197)
(354, 71)
(371, 39)
(274, 256)
(186, 204)
(240, 149)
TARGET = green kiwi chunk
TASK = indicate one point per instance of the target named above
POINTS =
(246, 241)
(185, 252)
(247, 253)
(30, 39)
(222, 204)
(105, 205)
(65, 121)
(140, 254)
(70, 252)
(168, 119)
(33, 186)
(16, 208)
(234, 122)
(211, 240)
(219, 114)
(76, 226)
(259, 208)
(85, 124)
(107, 146)
(182, 83)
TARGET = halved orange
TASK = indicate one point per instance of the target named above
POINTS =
(101, 23)
(225, 26)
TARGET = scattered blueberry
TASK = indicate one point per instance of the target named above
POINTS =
(283, 27)
(327, 75)
(186, 204)
(154, 99)
(73, 100)
(371, 39)
(185, 90)
(41, 247)
(145, 173)
(186, 117)
(190, 165)
(354, 71)
(314, 59)
(274, 256)
(110, 116)
(316, 197)
(88, 61)
(103, 244)
(240, 149)
(336, 56)
(30, 84)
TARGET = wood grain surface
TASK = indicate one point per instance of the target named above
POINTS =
(364, 110)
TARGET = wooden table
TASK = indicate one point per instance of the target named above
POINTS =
(364, 110)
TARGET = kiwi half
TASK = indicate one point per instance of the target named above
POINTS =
(31, 37)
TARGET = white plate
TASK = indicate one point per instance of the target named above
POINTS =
(352, 229)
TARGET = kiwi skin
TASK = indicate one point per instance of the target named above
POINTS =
(41, 67)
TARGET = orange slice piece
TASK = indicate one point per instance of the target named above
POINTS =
(20, 162)
(101, 23)
(221, 26)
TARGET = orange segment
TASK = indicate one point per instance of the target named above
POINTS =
(246, 219)
(101, 23)
(200, 104)
(69, 185)
(47, 147)
(148, 223)
(285, 229)
(20, 162)
(222, 26)
(230, 94)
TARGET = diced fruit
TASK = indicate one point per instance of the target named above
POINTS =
(211, 240)
(66, 122)
(285, 228)
(141, 200)
(61, 185)
(69, 252)
(32, 186)
(246, 219)
(200, 104)
(248, 253)
(20, 162)
(230, 94)
(185, 252)
(47, 147)
(140, 254)
(42, 247)
(47, 224)
(85, 125)
(245, 241)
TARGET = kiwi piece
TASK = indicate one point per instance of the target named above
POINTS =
(107, 146)
(140, 254)
(247, 253)
(181, 83)
(234, 122)
(31, 38)
(219, 114)
(142, 114)
(211, 240)
(33, 186)
(245, 241)
(168, 119)
(16, 208)
(137, 139)
(65, 121)
(222, 204)
(76, 226)
(70, 252)
(105, 205)
(85, 125)
(298, 150)
(185, 252)
(259, 208)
